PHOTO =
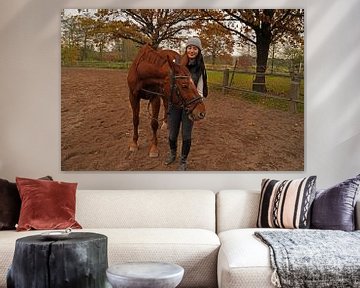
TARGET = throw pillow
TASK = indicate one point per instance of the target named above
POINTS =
(334, 208)
(10, 204)
(46, 204)
(286, 204)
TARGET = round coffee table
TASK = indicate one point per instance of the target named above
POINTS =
(145, 275)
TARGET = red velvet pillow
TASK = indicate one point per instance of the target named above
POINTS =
(46, 204)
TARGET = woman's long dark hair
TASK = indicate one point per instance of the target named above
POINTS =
(197, 68)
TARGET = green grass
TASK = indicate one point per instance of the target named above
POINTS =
(101, 64)
(276, 85)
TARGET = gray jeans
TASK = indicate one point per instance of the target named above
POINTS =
(175, 118)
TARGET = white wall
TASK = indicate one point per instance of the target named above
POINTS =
(30, 95)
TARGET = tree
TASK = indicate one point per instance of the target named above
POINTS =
(151, 26)
(127, 49)
(70, 40)
(103, 30)
(86, 27)
(296, 58)
(262, 27)
(216, 40)
(69, 31)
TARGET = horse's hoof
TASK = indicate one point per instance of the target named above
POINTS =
(154, 154)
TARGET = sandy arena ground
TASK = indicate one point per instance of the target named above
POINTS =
(236, 135)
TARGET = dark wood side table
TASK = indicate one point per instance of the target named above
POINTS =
(77, 261)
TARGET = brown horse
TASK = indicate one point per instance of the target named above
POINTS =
(153, 76)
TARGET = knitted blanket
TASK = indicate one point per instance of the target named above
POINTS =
(313, 258)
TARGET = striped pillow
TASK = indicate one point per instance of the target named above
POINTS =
(286, 204)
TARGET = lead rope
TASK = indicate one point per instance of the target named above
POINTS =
(172, 87)
(151, 116)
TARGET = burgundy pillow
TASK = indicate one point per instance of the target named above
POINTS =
(334, 208)
(9, 205)
(46, 204)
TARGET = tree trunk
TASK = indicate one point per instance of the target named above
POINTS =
(79, 261)
(262, 53)
(263, 41)
(84, 54)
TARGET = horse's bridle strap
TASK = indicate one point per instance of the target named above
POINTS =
(152, 92)
(185, 103)
(197, 99)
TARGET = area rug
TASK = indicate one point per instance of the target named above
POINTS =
(313, 258)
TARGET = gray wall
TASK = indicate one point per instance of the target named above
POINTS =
(30, 95)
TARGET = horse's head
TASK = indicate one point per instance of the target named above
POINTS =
(183, 91)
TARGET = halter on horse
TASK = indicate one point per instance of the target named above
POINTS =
(155, 70)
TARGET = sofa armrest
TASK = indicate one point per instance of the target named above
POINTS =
(357, 215)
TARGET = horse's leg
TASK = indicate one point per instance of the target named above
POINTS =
(166, 107)
(135, 106)
(155, 107)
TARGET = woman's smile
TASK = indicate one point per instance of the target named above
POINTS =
(192, 51)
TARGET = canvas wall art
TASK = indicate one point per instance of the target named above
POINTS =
(182, 90)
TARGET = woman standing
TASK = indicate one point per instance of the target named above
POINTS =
(177, 116)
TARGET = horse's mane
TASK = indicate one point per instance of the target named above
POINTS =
(149, 67)
(151, 56)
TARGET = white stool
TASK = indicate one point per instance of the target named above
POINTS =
(145, 275)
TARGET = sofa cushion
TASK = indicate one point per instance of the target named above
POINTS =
(334, 208)
(244, 260)
(153, 209)
(286, 204)
(196, 250)
(46, 204)
(236, 209)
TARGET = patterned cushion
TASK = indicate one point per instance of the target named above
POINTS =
(286, 204)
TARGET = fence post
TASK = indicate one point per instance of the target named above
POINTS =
(294, 92)
(225, 80)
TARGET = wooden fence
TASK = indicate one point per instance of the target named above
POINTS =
(293, 94)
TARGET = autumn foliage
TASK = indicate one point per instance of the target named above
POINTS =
(89, 32)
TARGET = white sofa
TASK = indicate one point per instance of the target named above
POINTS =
(177, 226)
(243, 260)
